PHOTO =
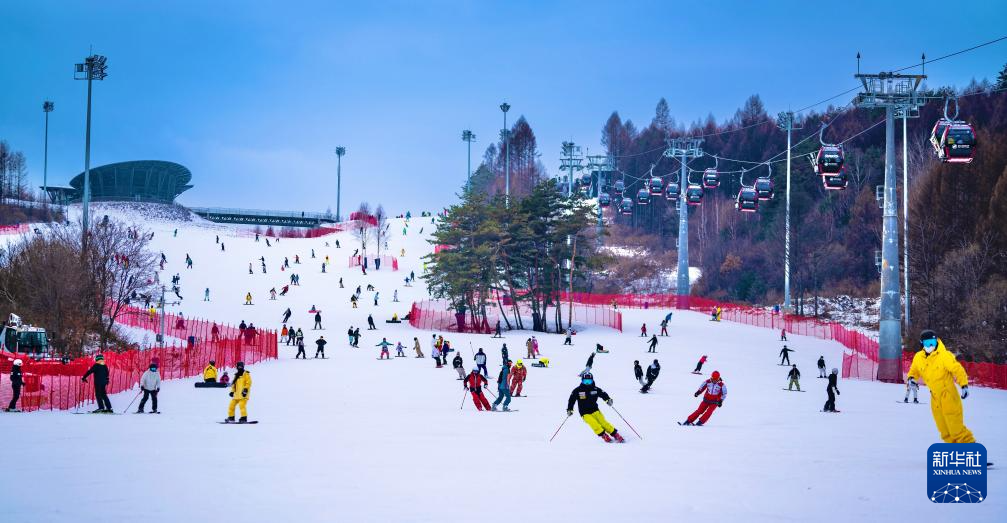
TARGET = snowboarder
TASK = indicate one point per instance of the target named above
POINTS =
(206, 294)
(588, 366)
(664, 328)
(475, 384)
(638, 371)
(569, 338)
(699, 365)
(504, 353)
(480, 358)
(100, 372)
(518, 374)
(356, 337)
(150, 384)
(785, 355)
(496, 333)
(821, 367)
(714, 393)
(16, 381)
(912, 387)
(300, 349)
(384, 349)
(286, 315)
(240, 388)
(643, 330)
(586, 396)
(417, 348)
(830, 404)
(248, 298)
(370, 323)
(940, 370)
(395, 297)
(653, 344)
(795, 378)
(210, 372)
(320, 343)
(503, 387)
(400, 350)
(652, 372)
(284, 290)
(272, 294)
(783, 334)
(376, 294)
(318, 320)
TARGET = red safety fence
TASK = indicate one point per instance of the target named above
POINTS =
(439, 248)
(386, 261)
(435, 315)
(18, 228)
(57, 385)
(364, 217)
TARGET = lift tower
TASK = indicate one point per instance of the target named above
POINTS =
(683, 149)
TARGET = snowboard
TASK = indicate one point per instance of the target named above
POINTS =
(151, 412)
(700, 373)
(911, 403)
(792, 390)
(317, 358)
(13, 411)
(237, 423)
(386, 359)
(831, 412)
(106, 413)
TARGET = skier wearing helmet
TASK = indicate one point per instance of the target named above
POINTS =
(15, 382)
(586, 396)
(518, 374)
(940, 370)
(714, 392)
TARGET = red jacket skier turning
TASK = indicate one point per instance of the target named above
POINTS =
(475, 383)
(714, 392)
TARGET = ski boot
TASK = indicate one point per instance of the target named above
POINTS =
(229, 419)
(98, 411)
(243, 419)
(139, 411)
(506, 409)
(699, 423)
(905, 400)
(686, 423)
(915, 400)
(605, 437)
(618, 437)
(493, 408)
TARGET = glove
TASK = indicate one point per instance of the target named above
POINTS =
(696, 395)
(720, 403)
(244, 393)
(231, 394)
(84, 380)
(569, 413)
(965, 392)
(837, 392)
(609, 401)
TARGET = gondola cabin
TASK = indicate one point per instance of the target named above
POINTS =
(830, 161)
(626, 206)
(671, 192)
(954, 141)
(642, 197)
(748, 200)
(836, 183)
(694, 194)
(711, 179)
(764, 188)
(619, 187)
(656, 186)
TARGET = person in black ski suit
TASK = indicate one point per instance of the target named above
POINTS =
(785, 355)
(286, 315)
(821, 367)
(370, 323)
(320, 342)
(300, 349)
(652, 372)
(459, 365)
(586, 397)
(638, 371)
(653, 344)
(830, 405)
(318, 320)
(100, 372)
(15, 383)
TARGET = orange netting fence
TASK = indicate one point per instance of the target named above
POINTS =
(436, 315)
(57, 385)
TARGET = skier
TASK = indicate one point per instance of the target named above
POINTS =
(320, 343)
(395, 296)
(830, 404)
(653, 344)
(417, 348)
(783, 334)
(503, 387)
(940, 370)
(496, 333)
(318, 320)
(569, 338)
(272, 294)
(370, 323)
(914, 387)
(664, 328)
(643, 330)
(100, 372)
(376, 294)
(248, 299)
(480, 358)
(518, 374)
(300, 349)
(16, 381)
(795, 378)
(356, 337)
(206, 294)
(504, 353)
(240, 388)
(150, 384)
(531, 349)
(785, 355)
(210, 372)
(714, 393)
(821, 367)
(534, 345)
(587, 367)
(699, 365)
(458, 364)
(586, 396)
(652, 371)
(638, 371)
(475, 383)
(384, 349)
(435, 353)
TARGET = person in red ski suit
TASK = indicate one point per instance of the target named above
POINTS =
(699, 366)
(714, 392)
(643, 330)
(475, 383)
(517, 376)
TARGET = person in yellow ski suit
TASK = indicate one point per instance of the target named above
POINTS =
(939, 369)
(210, 372)
(240, 388)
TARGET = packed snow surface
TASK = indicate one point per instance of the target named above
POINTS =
(352, 438)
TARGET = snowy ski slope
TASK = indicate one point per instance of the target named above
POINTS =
(351, 438)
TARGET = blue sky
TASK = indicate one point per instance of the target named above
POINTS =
(254, 96)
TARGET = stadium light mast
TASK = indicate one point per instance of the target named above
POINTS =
(505, 136)
(785, 121)
(47, 107)
(340, 152)
(95, 67)
(469, 137)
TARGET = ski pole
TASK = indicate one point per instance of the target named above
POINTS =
(134, 399)
(464, 391)
(491, 393)
(557, 430)
(627, 423)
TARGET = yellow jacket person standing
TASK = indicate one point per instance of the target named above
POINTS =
(940, 370)
(210, 373)
(240, 388)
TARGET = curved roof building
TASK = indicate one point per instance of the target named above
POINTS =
(141, 180)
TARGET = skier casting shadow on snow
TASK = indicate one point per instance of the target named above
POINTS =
(503, 387)
(475, 383)
(100, 372)
(638, 371)
(653, 344)
(586, 396)
(795, 378)
(821, 367)
(714, 392)
(652, 372)
(240, 388)
(785, 355)
(830, 404)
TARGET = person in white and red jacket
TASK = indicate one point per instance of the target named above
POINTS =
(714, 392)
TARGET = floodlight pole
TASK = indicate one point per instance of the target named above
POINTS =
(47, 108)
(684, 148)
(340, 151)
(786, 122)
(93, 68)
(506, 136)
(905, 217)
(469, 137)
(893, 92)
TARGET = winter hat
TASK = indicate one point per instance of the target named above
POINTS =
(17, 363)
(153, 366)
(240, 365)
(99, 357)
(835, 370)
(715, 376)
(927, 334)
(212, 362)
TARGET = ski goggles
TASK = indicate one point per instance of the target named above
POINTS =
(930, 343)
(588, 382)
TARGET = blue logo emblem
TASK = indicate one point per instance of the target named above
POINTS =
(956, 473)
